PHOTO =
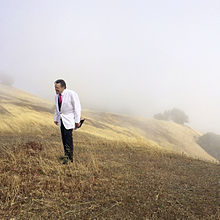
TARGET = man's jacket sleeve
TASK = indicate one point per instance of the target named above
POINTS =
(56, 114)
(77, 107)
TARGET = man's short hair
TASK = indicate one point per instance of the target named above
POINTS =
(62, 83)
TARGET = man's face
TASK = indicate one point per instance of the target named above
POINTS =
(58, 88)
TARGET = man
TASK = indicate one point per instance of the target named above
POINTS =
(67, 116)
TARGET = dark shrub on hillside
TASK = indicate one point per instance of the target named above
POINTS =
(210, 142)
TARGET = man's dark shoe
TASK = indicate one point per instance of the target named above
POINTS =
(62, 157)
(65, 161)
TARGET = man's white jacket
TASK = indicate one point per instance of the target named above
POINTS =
(70, 111)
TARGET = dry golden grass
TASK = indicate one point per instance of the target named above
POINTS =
(23, 113)
(108, 180)
(165, 134)
(123, 168)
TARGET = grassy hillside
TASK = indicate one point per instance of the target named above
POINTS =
(25, 114)
(165, 134)
(108, 180)
(122, 168)
(22, 112)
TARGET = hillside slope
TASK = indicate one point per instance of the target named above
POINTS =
(22, 112)
(26, 114)
(118, 171)
(168, 135)
(108, 180)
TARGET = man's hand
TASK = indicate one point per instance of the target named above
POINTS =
(56, 122)
(77, 124)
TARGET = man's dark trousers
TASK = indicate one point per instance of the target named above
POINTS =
(67, 139)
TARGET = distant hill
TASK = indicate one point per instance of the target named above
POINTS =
(22, 112)
(168, 135)
(26, 114)
(210, 142)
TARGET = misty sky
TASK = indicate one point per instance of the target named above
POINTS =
(134, 57)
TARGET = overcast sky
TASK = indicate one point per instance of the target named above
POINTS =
(134, 57)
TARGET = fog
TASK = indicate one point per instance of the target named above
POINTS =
(132, 57)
